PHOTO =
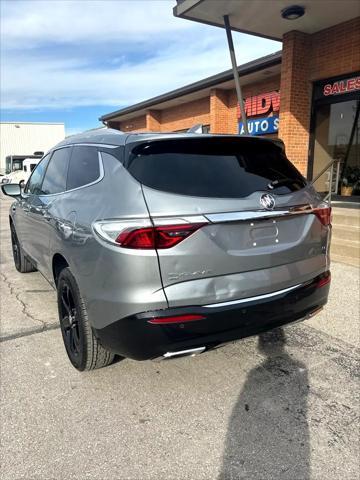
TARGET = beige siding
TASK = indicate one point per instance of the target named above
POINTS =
(18, 138)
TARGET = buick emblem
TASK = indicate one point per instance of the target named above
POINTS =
(267, 201)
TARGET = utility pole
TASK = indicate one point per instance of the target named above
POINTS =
(235, 72)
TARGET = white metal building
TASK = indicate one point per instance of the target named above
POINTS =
(25, 138)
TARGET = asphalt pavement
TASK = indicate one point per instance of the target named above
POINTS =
(281, 406)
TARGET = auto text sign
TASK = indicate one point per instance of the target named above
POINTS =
(261, 126)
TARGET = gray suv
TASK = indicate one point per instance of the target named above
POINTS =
(162, 245)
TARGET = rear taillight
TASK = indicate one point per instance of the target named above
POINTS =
(324, 280)
(170, 235)
(323, 214)
(136, 238)
(141, 235)
(166, 236)
(176, 319)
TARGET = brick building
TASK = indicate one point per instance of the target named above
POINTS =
(211, 102)
(308, 94)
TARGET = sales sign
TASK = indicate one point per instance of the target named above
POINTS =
(335, 87)
(342, 86)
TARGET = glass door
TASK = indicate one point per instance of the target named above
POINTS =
(337, 136)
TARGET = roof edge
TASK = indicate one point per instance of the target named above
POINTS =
(244, 69)
(179, 12)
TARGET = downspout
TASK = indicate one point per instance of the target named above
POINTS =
(235, 73)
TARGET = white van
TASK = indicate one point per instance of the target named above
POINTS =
(21, 176)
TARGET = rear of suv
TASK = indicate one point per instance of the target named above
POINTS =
(161, 245)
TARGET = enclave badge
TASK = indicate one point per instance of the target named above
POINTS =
(267, 201)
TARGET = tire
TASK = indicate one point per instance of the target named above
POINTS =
(22, 264)
(81, 345)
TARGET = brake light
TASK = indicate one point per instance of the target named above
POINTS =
(166, 236)
(140, 234)
(176, 319)
(324, 215)
(324, 281)
(137, 238)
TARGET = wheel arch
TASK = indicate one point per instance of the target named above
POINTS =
(59, 262)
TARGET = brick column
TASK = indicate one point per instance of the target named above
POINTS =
(153, 121)
(115, 125)
(295, 98)
(219, 111)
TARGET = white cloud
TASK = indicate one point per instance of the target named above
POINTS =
(67, 54)
(30, 23)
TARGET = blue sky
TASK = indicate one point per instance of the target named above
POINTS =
(72, 61)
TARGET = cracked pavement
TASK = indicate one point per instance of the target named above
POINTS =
(281, 406)
(22, 317)
(28, 304)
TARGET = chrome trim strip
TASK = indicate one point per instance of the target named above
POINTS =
(179, 220)
(100, 177)
(252, 299)
(94, 145)
(84, 145)
(257, 214)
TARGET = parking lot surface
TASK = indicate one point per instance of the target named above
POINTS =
(281, 406)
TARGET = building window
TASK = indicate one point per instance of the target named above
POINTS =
(336, 135)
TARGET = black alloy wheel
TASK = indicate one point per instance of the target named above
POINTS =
(70, 322)
(82, 347)
(22, 263)
(15, 248)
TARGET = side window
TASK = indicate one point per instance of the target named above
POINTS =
(34, 183)
(55, 176)
(84, 167)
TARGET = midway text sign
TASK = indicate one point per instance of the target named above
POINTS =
(261, 104)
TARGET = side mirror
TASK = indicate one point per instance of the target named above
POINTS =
(11, 189)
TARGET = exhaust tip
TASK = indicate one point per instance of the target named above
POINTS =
(184, 353)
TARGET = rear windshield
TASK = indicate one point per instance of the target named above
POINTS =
(213, 167)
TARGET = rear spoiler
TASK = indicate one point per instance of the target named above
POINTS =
(278, 142)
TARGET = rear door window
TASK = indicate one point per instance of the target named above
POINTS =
(84, 167)
(56, 172)
(213, 167)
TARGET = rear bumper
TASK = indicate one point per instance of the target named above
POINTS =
(136, 338)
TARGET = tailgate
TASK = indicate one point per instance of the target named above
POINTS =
(238, 241)
(243, 223)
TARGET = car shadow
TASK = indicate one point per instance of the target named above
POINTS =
(268, 434)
